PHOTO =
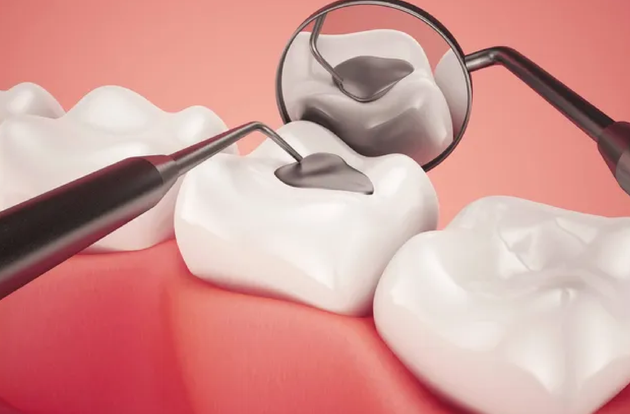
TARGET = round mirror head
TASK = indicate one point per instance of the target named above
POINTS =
(384, 76)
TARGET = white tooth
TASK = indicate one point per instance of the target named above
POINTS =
(451, 78)
(515, 308)
(109, 124)
(414, 109)
(28, 98)
(239, 227)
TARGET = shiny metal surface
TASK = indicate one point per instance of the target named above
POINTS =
(41, 233)
(362, 78)
(614, 146)
(325, 171)
(368, 78)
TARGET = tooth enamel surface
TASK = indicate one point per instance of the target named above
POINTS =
(413, 114)
(515, 308)
(451, 78)
(240, 227)
(28, 98)
(109, 124)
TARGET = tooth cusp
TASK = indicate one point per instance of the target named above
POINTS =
(520, 294)
(28, 99)
(107, 125)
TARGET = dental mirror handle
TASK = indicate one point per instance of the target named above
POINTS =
(613, 138)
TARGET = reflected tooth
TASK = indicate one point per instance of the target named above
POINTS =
(514, 308)
(451, 78)
(413, 114)
(240, 227)
(28, 98)
(109, 124)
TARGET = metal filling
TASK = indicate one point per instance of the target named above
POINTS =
(325, 171)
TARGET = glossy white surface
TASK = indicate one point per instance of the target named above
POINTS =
(417, 99)
(515, 308)
(240, 227)
(451, 78)
(28, 98)
(109, 124)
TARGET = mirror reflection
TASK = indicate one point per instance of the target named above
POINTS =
(381, 78)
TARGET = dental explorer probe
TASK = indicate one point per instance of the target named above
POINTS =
(41, 233)
(361, 78)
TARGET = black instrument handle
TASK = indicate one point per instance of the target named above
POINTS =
(40, 233)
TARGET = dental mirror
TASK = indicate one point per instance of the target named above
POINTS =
(387, 77)
(367, 71)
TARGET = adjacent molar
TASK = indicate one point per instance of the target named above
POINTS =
(413, 118)
(109, 124)
(240, 227)
(515, 308)
(28, 98)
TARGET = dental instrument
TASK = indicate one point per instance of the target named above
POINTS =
(355, 78)
(41, 233)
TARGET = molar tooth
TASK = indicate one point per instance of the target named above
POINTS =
(107, 125)
(519, 308)
(28, 98)
(240, 227)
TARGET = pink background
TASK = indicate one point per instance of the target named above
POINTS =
(135, 333)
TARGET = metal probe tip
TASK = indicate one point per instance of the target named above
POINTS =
(190, 157)
(319, 170)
